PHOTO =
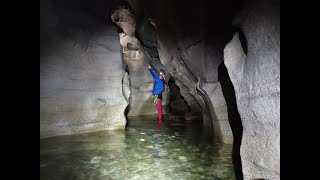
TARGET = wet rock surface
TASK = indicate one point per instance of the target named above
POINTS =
(81, 71)
(256, 79)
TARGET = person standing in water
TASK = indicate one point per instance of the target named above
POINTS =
(157, 91)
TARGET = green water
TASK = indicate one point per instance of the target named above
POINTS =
(142, 151)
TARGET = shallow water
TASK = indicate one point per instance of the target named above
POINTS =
(142, 151)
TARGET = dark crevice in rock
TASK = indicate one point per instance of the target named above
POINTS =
(242, 39)
(177, 105)
(119, 29)
(234, 117)
(126, 111)
(126, 69)
(147, 34)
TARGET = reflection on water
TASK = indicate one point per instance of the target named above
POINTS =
(142, 151)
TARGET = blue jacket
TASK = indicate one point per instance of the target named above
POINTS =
(158, 86)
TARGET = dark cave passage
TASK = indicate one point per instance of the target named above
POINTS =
(234, 117)
(178, 105)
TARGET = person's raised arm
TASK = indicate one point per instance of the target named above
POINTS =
(154, 75)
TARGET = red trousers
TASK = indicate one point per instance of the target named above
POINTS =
(159, 108)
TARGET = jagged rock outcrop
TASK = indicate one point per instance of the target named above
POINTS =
(256, 80)
(136, 56)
